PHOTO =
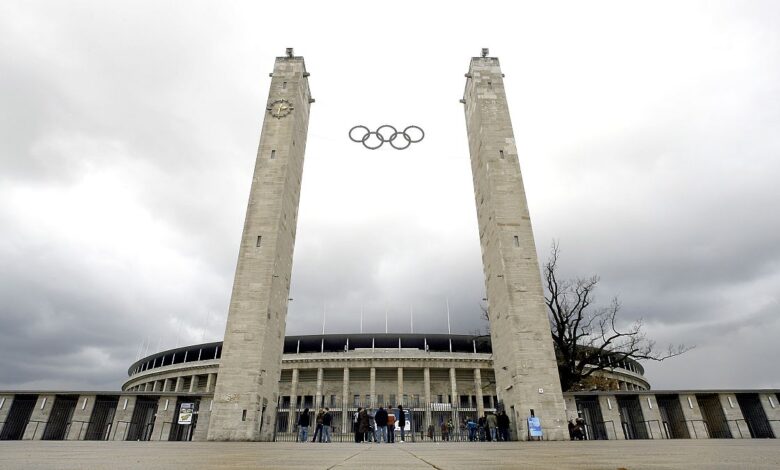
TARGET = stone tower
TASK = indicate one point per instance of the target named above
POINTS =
(524, 359)
(244, 407)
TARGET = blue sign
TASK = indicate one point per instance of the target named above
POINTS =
(534, 426)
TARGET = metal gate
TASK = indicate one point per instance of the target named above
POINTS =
(755, 417)
(99, 427)
(59, 420)
(18, 417)
(631, 418)
(183, 432)
(588, 408)
(712, 412)
(672, 417)
(142, 423)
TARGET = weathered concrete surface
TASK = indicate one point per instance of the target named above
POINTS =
(632, 455)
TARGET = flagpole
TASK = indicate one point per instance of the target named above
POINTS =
(323, 319)
(411, 318)
(449, 332)
(385, 320)
(361, 318)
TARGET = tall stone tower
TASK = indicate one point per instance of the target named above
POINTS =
(245, 398)
(523, 356)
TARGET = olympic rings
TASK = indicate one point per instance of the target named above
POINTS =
(381, 136)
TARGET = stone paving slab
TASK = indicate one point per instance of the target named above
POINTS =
(630, 455)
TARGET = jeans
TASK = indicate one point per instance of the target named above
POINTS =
(504, 434)
(381, 434)
(402, 431)
(391, 434)
(317, 432)
(325, 433)
(304, 432)
(472, 434)
(492, 434)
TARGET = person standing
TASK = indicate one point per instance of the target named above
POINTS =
(303, 425)
(472, 427)
(364, 425)
(327, 419)
(401, 421)
(380, 418)
(318, 429)
(492, 423)
(503, 425)
(391, 427)
(356, 426)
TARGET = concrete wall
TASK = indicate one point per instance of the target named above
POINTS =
(39, 417)
(693, 416)
(652, 416)
(737, 424)
(772, 409)
(611, 414)
(80, 419)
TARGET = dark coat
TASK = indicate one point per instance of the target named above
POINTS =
(304, 419)
(363, 422)
(503, 421)
(401, 417)
(327, 418)
(381, 417)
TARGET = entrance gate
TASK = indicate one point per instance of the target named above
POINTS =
(755, 417)
(142, 423)
(18, 417)
(631, 418)
(99, 428)
(711, 410)
(588, 408)
(672, 418)
(183, 432)
(59, 421)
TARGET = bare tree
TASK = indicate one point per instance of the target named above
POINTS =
(589, 339)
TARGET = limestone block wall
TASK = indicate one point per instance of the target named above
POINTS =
(81, 416)
(772, 409)
(611, 414)
(39, 417)
(122, 417)
(734, 417)
(652, 416)
(693, 416)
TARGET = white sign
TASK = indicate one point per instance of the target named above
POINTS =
(185, 413)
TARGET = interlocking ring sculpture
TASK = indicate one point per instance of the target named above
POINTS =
(381, 136)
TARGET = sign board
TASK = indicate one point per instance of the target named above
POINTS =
(185, 413)
(534, 426)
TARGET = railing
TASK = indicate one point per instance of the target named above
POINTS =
(81, 428)
(614, 428)
(124, 434)
(736, 423)
(35, 432)
(650, 428)
(693, 427)
(162, 428)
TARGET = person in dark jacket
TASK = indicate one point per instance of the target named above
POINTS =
(318, 429)
(303, 425)
(380, 418)
(364, 425)
(327, 419)
(401, 420)
(502, 421)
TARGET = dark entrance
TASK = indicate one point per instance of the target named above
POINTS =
(754, 414)
(59, 421)
(142, 423)
(588, 408)
(18, 417)
(631, 418)
(100, 422)
(672, 417)
(183, 432)
(712, 412)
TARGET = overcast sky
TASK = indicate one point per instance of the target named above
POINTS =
(648, 135)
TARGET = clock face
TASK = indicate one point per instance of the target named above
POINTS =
(280, 108)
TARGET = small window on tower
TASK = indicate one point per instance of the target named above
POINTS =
(517, 240)
(284, 85)
(260, 239)
(243, 415)
(273, 154)
(501, 152)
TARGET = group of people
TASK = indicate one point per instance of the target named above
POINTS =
(577, 429)
(323, 422)
(491, 427)
(378, 426)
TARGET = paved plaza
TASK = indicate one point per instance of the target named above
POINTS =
(630, 455)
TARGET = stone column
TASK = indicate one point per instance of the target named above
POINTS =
(772, 410)
(372, 388)
(427, 391)
(293, 400)
(193, 383)
(455, 399)
(318, 395)
(39, 417)
(694, 420)
(179, 384)
(122, 417)
(346, 418)
(80, 418)
(210, 382)
(652, 416)
(167, 385)
(400, 395)
(611, 415)
(478, 388)
(734, 417)
(166, 407)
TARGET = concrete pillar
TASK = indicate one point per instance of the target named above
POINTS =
(737, 424)
(166, 407)
(346, 418)
(400, 395)
(146, 386)
(427, 392)
(478, 390)
(5, 407)
(179, 384)
(39, 417)
(167, 385)
(772, 409)
(455, 400)
(80, 419)
(293, 400)
(157, 385)
(210, 382)
(372, 388)
(611, 415)
(193, 383)
(694, 420)
(652, 416)
(318, 395)
(122, 417)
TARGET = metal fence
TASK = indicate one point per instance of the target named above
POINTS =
(431, 422)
